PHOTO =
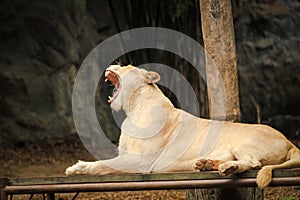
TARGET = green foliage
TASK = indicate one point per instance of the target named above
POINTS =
(287, 198)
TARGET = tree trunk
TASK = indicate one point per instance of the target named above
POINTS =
(219, 43)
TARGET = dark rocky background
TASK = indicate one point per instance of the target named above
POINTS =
(42, 44)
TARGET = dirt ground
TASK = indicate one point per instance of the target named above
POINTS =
(51, 157)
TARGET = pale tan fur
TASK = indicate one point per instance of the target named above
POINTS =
(174, 147)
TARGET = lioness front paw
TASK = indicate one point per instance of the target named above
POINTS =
(79, 168)
(69, 171)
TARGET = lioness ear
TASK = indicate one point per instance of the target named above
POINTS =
(152, 77)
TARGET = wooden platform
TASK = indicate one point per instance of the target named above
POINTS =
(134, 182)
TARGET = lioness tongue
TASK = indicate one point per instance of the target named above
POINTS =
(111, 77)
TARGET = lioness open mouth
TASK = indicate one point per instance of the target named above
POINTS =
(114, 78)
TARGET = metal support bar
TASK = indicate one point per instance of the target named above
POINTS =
(3, 184)
(75, 196)
(148, 185)
(31, 196)
(50, 195)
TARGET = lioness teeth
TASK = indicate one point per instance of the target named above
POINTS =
(109, 99)
(106, 79)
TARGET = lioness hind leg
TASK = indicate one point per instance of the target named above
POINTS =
(207, 165)
(238, 166)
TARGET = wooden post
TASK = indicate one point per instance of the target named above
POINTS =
(219, 43)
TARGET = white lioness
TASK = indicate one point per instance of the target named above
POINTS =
(156, 137)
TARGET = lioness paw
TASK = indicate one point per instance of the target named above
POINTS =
(228, 168)
(69, 171)
(79, 168)
(204, 165)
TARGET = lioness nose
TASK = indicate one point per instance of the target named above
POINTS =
(113, 67)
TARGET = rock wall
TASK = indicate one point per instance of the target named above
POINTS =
(268, 50)
(42, 44)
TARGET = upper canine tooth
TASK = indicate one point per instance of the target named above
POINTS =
(106, 79)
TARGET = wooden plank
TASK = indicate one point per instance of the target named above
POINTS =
(144, 177)
(117, 178)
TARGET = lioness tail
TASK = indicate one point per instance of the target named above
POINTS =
(264, 175)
